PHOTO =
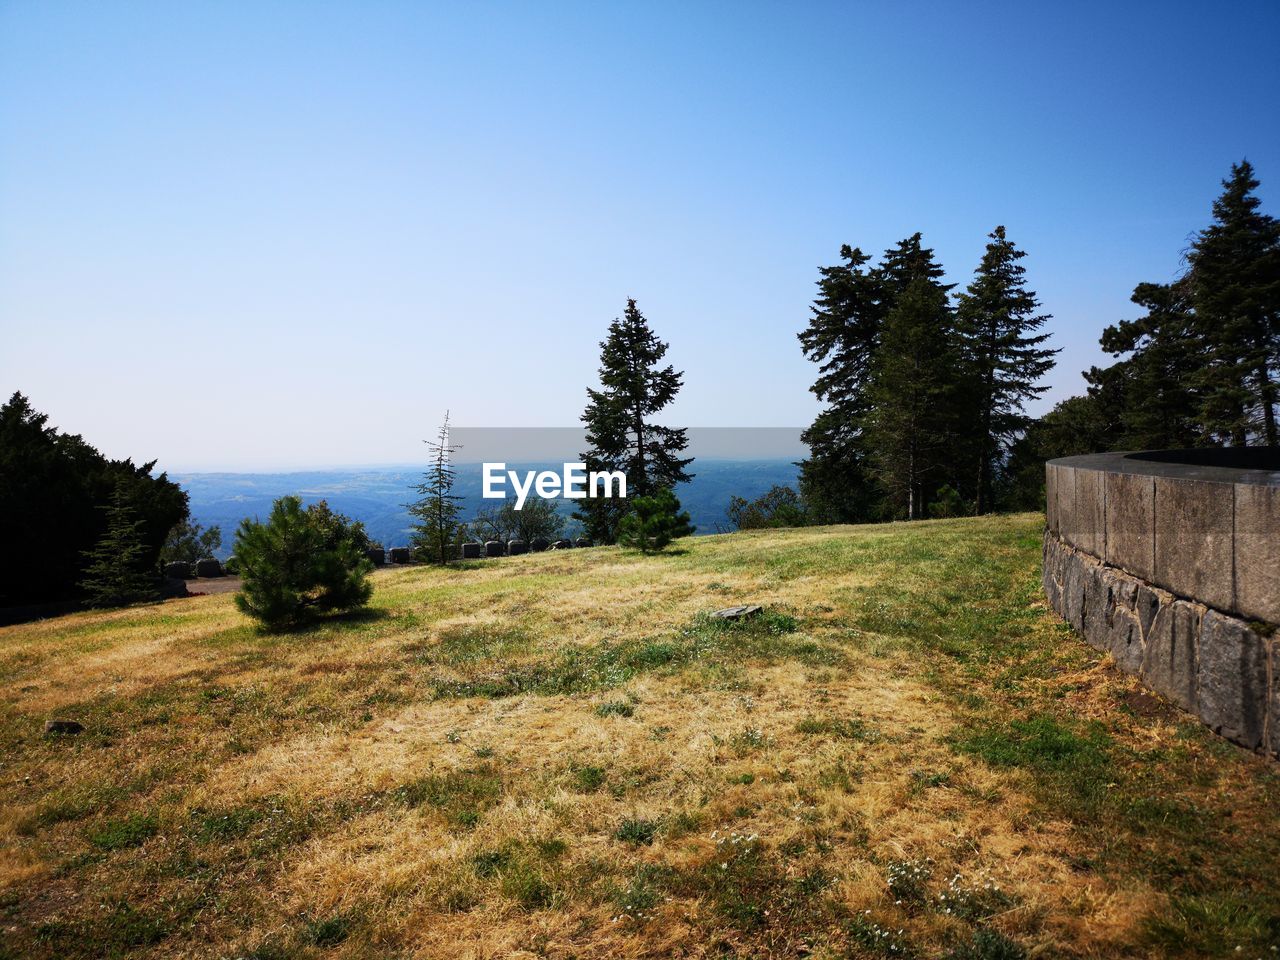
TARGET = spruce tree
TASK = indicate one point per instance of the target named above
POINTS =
(437, 530)
(1235, 290)
(116, 571)
(997, 321)
(842, 335)
(619, 422)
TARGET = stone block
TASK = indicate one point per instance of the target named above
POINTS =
(1169, 651)
(1273, 708)
(1193, 543)
(1130, 526)
(538, 544)
(178, 570)
(377, 556)
(516, 547)
(1257, 551)
(1051, 498)
(208, 567)
(494, 548)
(1053, 572)
(562, 545)
(400, 555)
(582, 542)
(1065, 494)
(1073, 595)
(1089, 512)
(1232, 688)
(472, 551)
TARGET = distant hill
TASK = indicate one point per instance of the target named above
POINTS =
(377, 496)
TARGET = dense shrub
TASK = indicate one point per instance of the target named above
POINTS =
(653, 522)
(300, 563)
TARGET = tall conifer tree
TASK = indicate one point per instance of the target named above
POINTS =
(842, 335)
(997, 320)
(1235, 289)
(912, 390)
(116, 570)
(436, 532)
(619, 422)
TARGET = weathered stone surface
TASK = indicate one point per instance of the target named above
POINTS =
(1119, 623)
(178, 569)
(538, 544)
(1051, 499)
(494, 548)
(377, 556)
(1232, 689)
(54, 728)
(401, 555)
(1146, 604)
(516, 547)
(742, 612)
(1169, 654)
(1193, 540)
(1089, 512)
(1066, 497)
(1130, 526)
(1210, 663)
(1273, 708)
(208, 567)
(1257, 551)
(1073, 577)
(1053, 571)
(472, 551)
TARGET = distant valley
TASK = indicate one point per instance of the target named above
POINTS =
(376, 496)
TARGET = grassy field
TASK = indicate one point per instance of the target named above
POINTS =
(559, 755)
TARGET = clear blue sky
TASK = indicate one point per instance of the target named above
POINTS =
(263, 235)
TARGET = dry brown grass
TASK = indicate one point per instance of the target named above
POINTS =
(438, 780)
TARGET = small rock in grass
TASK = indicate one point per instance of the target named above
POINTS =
(736, 613)
(58, 727)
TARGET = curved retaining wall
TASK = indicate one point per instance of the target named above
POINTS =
(1170, 561)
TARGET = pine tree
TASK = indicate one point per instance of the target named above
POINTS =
(298, 564)
(116, 567)
(1235, 289)
(620, 428)
(996, 318)
(653, 521)
(842, 335)
(436, 533)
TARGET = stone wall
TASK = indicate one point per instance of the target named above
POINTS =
(1173, 567)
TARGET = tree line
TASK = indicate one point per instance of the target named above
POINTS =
(924, 390)
(1198, 366)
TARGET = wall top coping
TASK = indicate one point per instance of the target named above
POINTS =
(1249, 465)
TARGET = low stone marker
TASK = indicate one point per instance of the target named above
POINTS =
(494, 548)
(208, 567)
(538, 544)
(516, 547)
(737, 613)
(400, 555)
(472, 551)
(54, 728)
(178, 570)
